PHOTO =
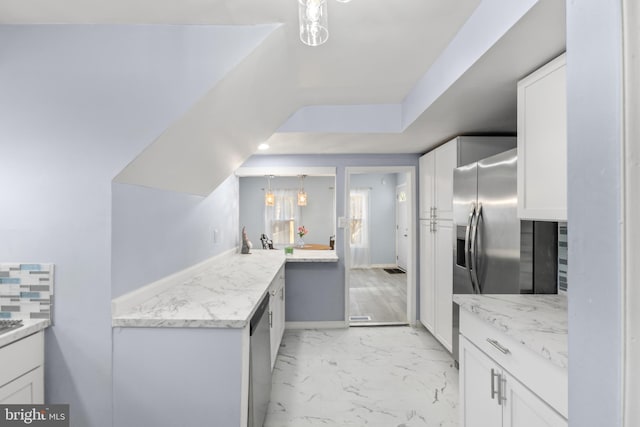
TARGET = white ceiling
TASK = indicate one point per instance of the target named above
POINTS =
(379, 52)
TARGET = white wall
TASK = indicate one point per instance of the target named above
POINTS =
(78, 103)
(594, 75)
(158, 232)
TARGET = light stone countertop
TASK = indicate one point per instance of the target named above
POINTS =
(29, 326)
(222, 292)
(539, 322)
(305, 255)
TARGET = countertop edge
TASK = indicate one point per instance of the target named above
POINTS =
(540, 341)
(30, 327)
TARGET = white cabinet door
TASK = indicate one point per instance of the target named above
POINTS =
(445, 162)
(27, 389)
(276, 313)
(427, 267)
(478, 406)
(542, 143)
(525, 409)
(427, 173)
(444, 282)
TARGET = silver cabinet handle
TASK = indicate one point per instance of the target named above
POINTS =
(435, 212)
(502, 388)
(271, 319)
(282, 293)
(273, 292)
(496, 344)
(494, 392)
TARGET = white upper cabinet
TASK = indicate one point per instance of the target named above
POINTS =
(427, 167)
(446, 157)
(542, 143)
(436, 181)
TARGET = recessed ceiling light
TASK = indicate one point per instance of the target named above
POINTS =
(263, 146)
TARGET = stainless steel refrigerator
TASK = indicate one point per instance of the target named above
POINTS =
(493, 250)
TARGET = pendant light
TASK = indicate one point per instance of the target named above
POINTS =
(269, 197)
(302, 195)
(312, 15)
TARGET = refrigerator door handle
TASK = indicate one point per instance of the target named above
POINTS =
(473, 250)
(467, 246)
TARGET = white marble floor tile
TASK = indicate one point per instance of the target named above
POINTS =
(379, 377)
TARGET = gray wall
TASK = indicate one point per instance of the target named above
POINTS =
(78, 103)
(382, 209)
(318, 216)
(333, 278)
(594, 73)
(157, 232)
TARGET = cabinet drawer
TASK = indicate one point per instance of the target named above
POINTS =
(547, 380)
(21, 356)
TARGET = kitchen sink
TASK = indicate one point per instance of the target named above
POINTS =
(9, 325)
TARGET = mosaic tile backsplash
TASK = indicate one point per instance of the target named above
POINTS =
(26, 291)
(563, 264)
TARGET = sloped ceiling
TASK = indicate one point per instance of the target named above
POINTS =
(393, 77)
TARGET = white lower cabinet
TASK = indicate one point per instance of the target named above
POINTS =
(27, 389)
(436, 278)
(505, 385)
(276, 313)
(490, 396)
(427, 278)
(22, 373)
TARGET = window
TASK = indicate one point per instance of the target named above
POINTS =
(357, 215)
(280, 219)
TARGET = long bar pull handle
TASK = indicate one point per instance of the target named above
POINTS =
(473, 250)
(502, 389)
(500, 347)
(467, 255)
(271, 319)
(495, 392)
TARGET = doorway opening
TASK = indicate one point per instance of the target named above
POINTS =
(379, 246)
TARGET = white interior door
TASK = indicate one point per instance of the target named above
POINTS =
(402, 226)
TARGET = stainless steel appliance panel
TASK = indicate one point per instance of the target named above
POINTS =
(496, 239)
(260, 364)
(465, 190)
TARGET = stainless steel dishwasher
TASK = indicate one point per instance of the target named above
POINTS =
(259, 364)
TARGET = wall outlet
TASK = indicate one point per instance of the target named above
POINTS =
(216, 236)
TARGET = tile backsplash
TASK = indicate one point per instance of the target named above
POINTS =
(563, 264)
(26, 291)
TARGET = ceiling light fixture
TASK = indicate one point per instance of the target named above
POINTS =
(269, 197)
(314, 29)
(263, 146)
(302, 195)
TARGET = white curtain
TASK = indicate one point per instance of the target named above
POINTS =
(359, 227)
(280, 219)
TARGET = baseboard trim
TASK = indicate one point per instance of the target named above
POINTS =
(339, 324)
(366, 267)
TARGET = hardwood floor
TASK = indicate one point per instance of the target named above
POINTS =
(375, 293)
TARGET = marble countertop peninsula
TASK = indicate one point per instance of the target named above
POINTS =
(539, 322)
(221, 292)
(306, 255)
(29, 326)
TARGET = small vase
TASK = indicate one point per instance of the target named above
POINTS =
(300, 243)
